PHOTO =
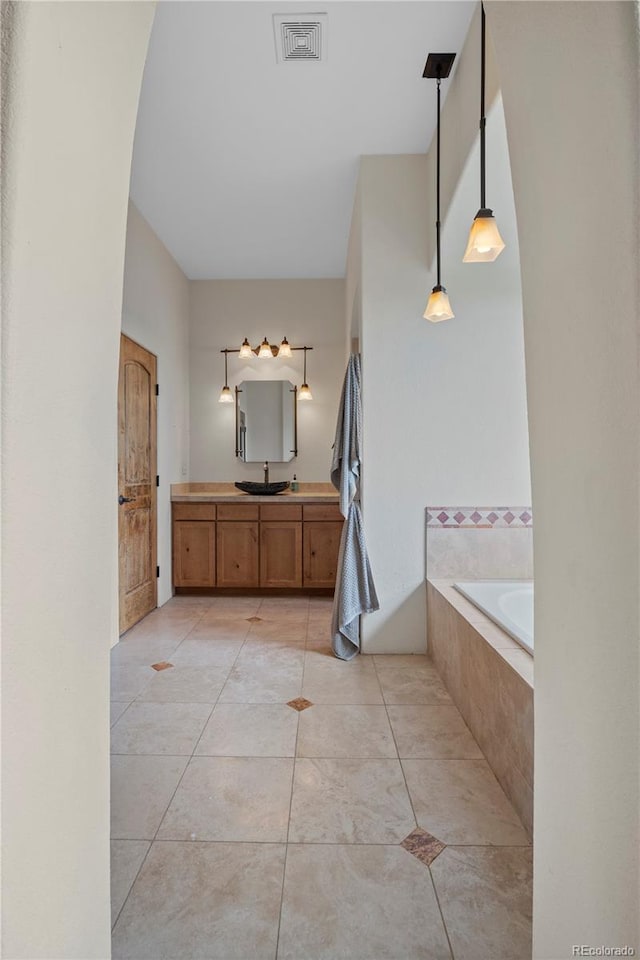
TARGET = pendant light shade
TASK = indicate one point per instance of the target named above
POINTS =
(285, 349)
(246, 353)
(265, 349)
(485, 243)
(438, 308)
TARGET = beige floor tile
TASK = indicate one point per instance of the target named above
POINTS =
(283, 631)
(218, 629)
(200, 652)
(141, 790)
(330, 730)
(203, 901)
(186, 684)
(129, 680)
(397, 660)
(231, 798)
(126, 859)
(359, 903)
(256, 683)
(349, 801)
(250, 730)
(160, 728)
(118, 707)
(460, 801)
(141, 652)
(432, 732)
(230, 608)
(420, 684)
(338, 681)
(485, 895)
(270, 654)
(317, 649)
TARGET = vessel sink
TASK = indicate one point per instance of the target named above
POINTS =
(262, 489)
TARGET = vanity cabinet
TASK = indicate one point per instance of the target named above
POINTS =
(270, 546)
(194, 545)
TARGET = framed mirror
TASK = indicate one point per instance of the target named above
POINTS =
(266, 421)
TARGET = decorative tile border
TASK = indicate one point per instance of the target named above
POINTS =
(479, 517)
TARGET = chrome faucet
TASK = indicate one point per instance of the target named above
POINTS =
(266, 471)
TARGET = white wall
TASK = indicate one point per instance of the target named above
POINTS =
(71, 76)
(572, 118)
(444, 404)
(155, 313)
(223, 312)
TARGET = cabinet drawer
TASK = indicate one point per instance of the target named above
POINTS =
(322, 511)
(238, 511)
(281, 511)
(194, 511)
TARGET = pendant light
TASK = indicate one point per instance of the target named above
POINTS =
(485, 243)
(265, 349)
(438, 68)
(246, 351)
(225, 394)
(285, 349)
(305, 391)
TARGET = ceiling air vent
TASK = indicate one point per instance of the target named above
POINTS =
(300, 37)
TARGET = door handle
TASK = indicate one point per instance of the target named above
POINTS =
(122, 499)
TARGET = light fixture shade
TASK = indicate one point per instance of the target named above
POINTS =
(246, 353)
(225, 396)
(265, 349)
(304, 393)
(285, 349)
(485, 243)
(438, 306)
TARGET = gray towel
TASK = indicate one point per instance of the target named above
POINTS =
(355, 590)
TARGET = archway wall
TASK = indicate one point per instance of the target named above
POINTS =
(71, 77)
(569, 77)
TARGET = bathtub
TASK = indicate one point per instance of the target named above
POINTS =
(509, 603)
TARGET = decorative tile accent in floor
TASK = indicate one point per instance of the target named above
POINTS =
(423, 846)
(299, 704)
(246, 826)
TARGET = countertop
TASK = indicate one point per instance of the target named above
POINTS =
(227, 492)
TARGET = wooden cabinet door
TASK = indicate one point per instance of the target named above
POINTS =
(237, 553)
(194, 553)
(138, 585)
(321, 546)
(281, 553)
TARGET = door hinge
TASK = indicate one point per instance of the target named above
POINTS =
(157, 389)
(157, 480)
(157, 571)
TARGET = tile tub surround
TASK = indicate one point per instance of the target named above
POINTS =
(479, 543)
(490, 680)
(309, 807)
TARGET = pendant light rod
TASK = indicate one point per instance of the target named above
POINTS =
(438, 258)
(483, 119)
(304, 376)
(226, 352)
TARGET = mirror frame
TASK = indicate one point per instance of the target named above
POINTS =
(294, 451)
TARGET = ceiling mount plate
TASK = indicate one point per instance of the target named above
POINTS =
(438, 65)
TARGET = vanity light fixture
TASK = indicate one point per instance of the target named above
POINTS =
(225, 395)
(265, 349)
(485, 243)
(285, 349)
(438, 68)
(305, 391)
(246, 350)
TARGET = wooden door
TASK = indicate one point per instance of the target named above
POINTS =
(281, 554)
(320, 551)
(194, 553)
(237, 553)
(137, 520)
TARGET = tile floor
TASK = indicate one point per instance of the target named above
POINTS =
(247, 824)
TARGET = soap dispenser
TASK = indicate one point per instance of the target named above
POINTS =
(294, 484)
